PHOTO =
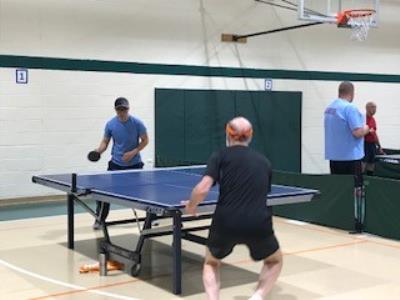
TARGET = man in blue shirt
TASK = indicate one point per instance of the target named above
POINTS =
(129, 137)
(344, 137)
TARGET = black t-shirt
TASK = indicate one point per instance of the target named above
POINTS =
(244, 178)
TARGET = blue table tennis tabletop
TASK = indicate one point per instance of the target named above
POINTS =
(159, 193)
(164, 187)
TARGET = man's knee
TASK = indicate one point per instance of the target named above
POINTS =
(211, 261)
(274, 259)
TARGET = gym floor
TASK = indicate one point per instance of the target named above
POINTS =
(319, 263)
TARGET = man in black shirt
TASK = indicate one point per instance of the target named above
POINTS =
(241, 215)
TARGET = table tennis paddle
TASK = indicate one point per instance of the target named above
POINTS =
(94, 155)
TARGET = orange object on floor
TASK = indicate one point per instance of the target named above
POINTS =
(111, 266)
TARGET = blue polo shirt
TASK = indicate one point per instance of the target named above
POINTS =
(125, 136)
(341, 118)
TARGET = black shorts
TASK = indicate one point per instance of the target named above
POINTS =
(349, 167)
(370, 153)
(221, 245)
(112, 166)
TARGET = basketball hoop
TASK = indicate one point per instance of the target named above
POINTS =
(360, 21)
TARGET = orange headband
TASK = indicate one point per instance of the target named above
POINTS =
(238, 135)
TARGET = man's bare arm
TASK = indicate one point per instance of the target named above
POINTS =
(361, 132)
(199, 193)
(103, 145)
(144, 140)
(378, 143)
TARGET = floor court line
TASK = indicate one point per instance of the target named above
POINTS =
(95, 290)
(29, 227)
(326, 247)
(359, 238)
(59, 294)
(317, 230)
(66, 293)
(276, 220)
(241, 262)
(247, 261)
(61, 283)
(384, 244)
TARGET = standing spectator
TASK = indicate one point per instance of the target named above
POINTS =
(372, 146)
(345, 129)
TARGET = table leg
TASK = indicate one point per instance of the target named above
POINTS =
(177, 254)
(70, 206)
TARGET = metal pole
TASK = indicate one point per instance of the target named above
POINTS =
(237, 37)
(177, 253)
(103, 264)
(70, 213)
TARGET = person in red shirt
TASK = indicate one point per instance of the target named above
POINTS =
(372, 145)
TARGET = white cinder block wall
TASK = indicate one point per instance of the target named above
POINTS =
(48, 125)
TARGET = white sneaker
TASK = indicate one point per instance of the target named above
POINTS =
(256, 297)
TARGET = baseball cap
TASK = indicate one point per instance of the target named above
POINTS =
(121, 102)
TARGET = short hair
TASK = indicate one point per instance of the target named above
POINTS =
(346, 88)
(240, 130)
(370, 103)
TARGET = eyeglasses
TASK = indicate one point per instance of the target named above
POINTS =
(121, 109)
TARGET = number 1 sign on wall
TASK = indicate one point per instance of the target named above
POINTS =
(21, 76)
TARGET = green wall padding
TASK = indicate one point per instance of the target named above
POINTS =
(276, 118)
(167, 114)
(190, 124)
(334, 207)
(383, 207)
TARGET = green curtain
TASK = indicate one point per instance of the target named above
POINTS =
(333, 207)
(190, 124)
(383, 207)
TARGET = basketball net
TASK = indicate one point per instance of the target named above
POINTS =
(360, 21)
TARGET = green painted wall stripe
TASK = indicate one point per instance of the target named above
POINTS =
(47, 63)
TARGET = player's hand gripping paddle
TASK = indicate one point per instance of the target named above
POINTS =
(93, 155)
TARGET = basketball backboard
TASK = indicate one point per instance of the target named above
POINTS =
(326, 11)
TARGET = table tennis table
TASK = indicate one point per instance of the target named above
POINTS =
(393, 159)
(158, 192)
